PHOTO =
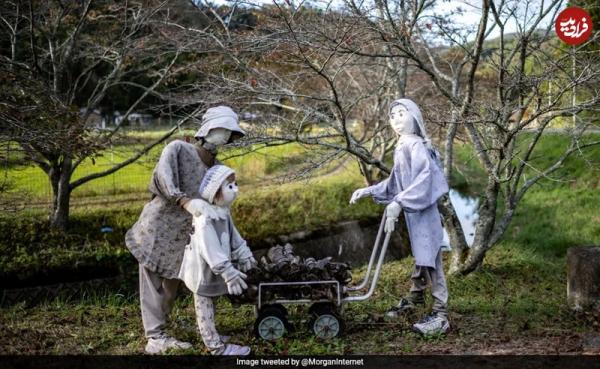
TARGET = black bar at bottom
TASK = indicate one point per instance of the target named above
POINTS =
(350, 361)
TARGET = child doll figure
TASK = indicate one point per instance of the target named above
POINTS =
(414, 186)
(207, 267)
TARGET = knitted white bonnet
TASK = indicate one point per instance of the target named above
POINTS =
(212, 181)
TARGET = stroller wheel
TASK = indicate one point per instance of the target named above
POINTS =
(325, 322)
(271, 323)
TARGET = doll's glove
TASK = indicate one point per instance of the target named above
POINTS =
(392, 211)
(359, 194)
(198, 207)
(237, 285)
(234, 280)
(247, 264)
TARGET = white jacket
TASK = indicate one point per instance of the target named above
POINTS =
(214, 244)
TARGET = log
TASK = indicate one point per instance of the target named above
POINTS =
(583, 278)
(282, 265)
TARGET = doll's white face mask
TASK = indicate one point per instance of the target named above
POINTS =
(216, 137)
(229, 192)
(402, 121)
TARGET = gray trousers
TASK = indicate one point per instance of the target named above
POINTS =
(157, 295)
(422, 276)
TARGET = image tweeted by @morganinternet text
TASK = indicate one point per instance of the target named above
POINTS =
(299, 362)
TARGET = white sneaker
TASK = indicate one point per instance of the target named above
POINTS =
(162, 343)
(432, 324)
(235, 350)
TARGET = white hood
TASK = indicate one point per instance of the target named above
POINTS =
(414, 110)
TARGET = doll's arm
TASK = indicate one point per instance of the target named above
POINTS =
(239, 246)
(240, 250)
(165, 178)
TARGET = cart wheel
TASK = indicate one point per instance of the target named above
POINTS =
(271, 323)
(325, 322)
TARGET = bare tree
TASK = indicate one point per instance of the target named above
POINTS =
(308, 92)
(506, 129)
(68, 59)
(493, 92)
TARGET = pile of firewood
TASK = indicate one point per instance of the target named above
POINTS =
(281, 265)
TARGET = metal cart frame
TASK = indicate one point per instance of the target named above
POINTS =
(378, 253)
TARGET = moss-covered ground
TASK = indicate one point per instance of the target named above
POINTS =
(516, 303)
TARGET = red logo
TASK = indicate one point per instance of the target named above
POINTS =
(573, 25)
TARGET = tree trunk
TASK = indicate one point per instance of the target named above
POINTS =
(483, 233)
(366, 172)
(455, 234)
(473, 261)
(60, 176)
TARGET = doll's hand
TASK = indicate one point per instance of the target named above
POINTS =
(247, 264)
(234, 280)
(359, 194)
(392, 211)
(237, 285)
(198, 207)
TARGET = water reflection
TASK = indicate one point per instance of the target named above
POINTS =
(466, 209)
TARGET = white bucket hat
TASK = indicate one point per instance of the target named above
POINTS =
(212, 181)
(220, 117)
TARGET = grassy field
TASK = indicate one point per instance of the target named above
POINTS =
(516, 303)
(29, 247)
(262, 165)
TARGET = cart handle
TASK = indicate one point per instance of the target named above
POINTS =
(371, 260)
(376, 275)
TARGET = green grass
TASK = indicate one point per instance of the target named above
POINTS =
(581, 169)
(261, 166)
(516, 302)
(34, 182)
(29, 247)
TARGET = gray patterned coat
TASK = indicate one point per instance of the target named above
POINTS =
(416, 182)
(158, 239)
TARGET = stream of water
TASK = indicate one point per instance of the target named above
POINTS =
(466, 209)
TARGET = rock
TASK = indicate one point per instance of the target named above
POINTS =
(583, 277)
(591, 344)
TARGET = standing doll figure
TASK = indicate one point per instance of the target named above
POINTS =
(208, 262)
(414, 186)
(158, 239)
